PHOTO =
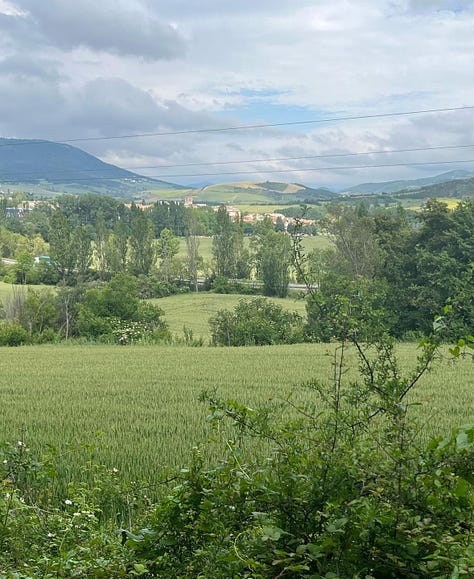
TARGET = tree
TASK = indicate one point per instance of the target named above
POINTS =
(39, 311)
(223, 244)
(24, 266)
(256, 322)
(352, 232)
(61, 242)
(116, 250)
(142, 246)
(100, 245)
(82, 248)
(343, 308)
(243, 264)
(273, 260)
(167, 248)
(192, 248)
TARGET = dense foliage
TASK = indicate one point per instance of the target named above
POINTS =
(410, 272)
(103, 311)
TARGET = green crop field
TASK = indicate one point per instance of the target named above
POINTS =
(144, 399)
(194, 310)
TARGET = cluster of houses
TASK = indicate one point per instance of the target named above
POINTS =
(236, 214)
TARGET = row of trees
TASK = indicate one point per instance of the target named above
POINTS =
(269, 253)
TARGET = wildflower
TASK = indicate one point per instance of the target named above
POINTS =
(20, 443)
(51, 535)
(115, 470)
(5, 461)
(68, 502)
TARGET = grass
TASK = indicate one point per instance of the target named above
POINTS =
(194, 310)
(7, 290)
(144, 399)
(205, 245)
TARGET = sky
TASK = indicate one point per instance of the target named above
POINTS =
(99, 71)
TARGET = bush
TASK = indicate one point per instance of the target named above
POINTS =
(256, 322)
(114, 313)
(151, 287)
(12, 334)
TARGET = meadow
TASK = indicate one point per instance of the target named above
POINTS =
(194, 310)
(205, 245)
(138, 406)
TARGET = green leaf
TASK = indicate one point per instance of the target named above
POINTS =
(462, 488)
(271, 533)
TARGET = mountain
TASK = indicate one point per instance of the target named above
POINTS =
(56, 167)
(267, 192)
(393, 186)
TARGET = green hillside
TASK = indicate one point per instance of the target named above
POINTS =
(268, 192)
(408, 184)
(457, 189)
(47, 168)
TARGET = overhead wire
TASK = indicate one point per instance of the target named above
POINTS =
(271, 171)
(64, 172)
(244, 127)
(252, 161)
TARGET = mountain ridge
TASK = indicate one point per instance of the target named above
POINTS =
(60, 165)
(403, 184)
(49, 168)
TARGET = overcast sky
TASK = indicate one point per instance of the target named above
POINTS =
(86, 68)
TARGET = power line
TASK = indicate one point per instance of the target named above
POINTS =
(327, 156)
(246, 127)
(341, 168)
(269, 125)
(308, 170)
(247, 161)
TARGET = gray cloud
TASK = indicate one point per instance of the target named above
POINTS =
(116, 27)
(31, 106)
(22, 66)
(450, 5)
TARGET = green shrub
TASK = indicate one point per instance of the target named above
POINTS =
(12, 334)
(256, 322)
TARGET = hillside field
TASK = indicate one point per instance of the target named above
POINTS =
(139, 405)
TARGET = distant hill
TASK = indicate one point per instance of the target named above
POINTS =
(267, 192)
(56, 168)
(459, 188)
(393, 186)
